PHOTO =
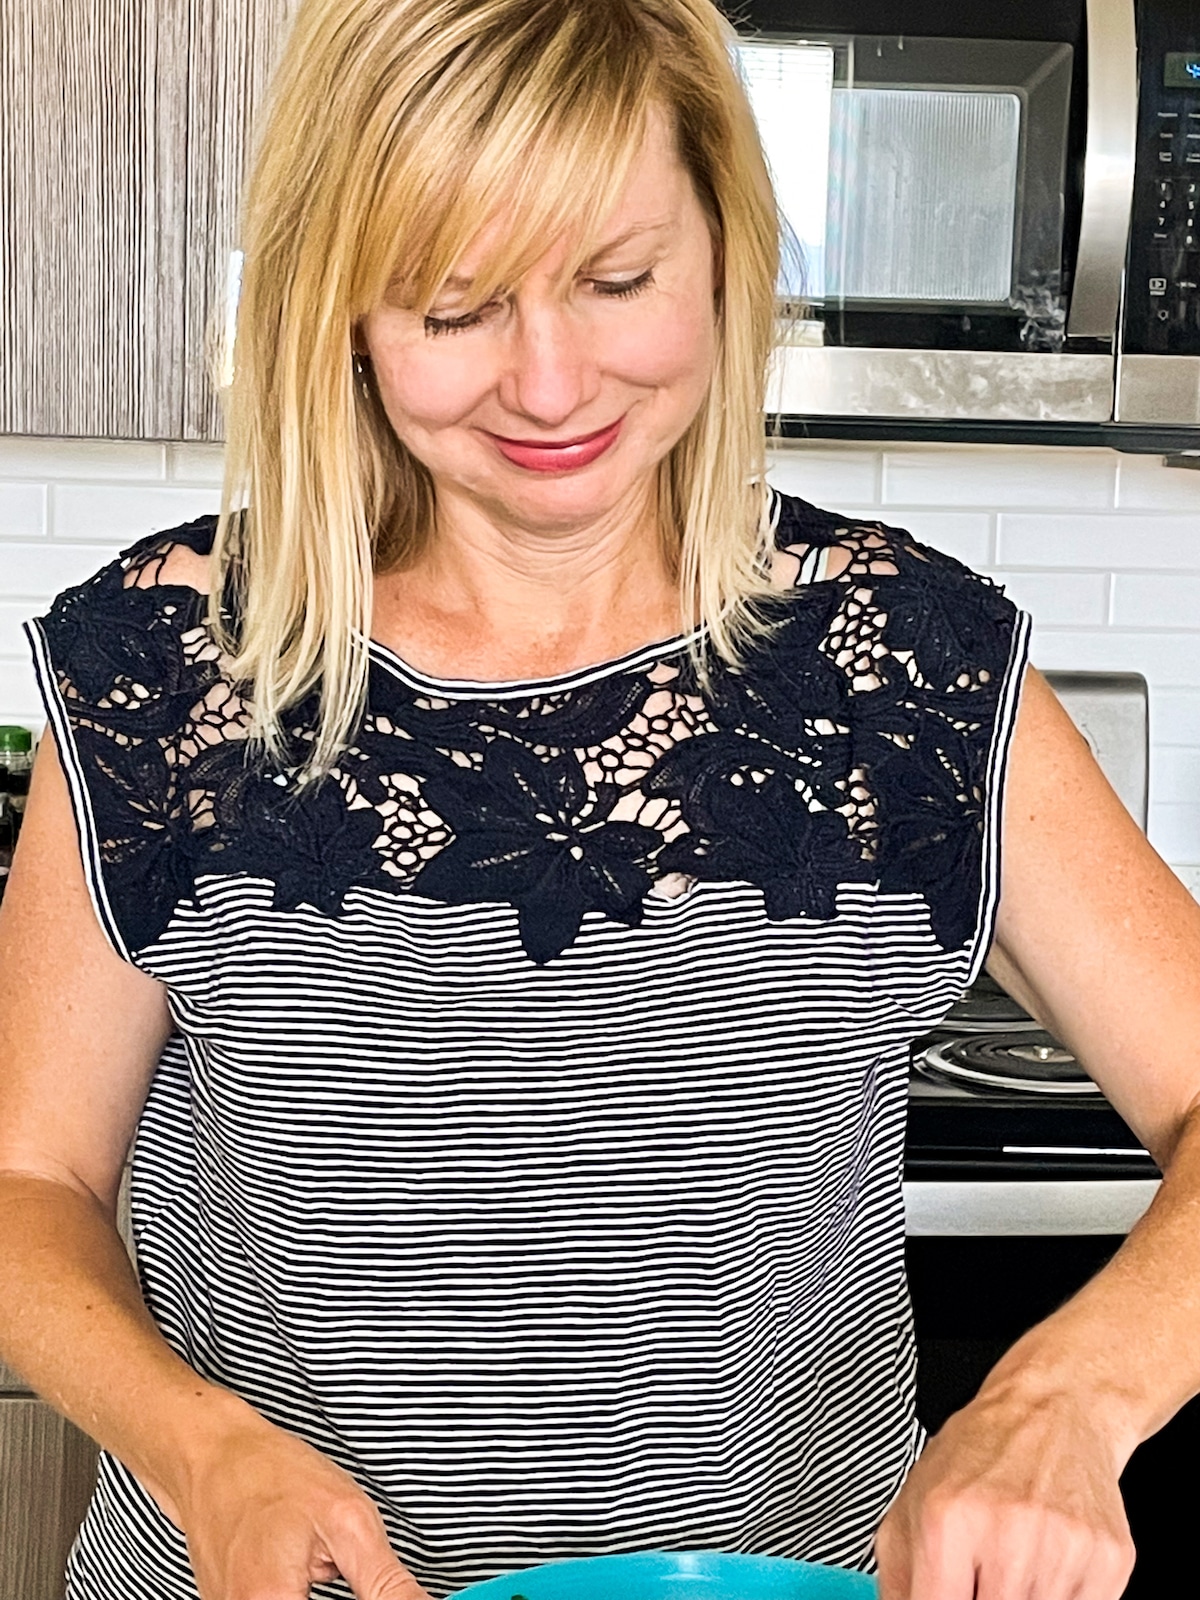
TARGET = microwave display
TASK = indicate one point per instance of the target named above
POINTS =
(1181, 70)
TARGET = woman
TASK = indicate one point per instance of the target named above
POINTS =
(515, 857)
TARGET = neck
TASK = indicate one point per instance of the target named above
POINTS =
(488, 599)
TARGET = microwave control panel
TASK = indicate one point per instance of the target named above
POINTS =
(1162, 298)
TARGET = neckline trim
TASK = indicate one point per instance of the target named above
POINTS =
(512, 689)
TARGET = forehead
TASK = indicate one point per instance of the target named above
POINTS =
(651, 203)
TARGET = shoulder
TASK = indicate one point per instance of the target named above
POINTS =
(858, 547)
(915, 663)
(172, 558)
(884, 591)
(134, 637)
(135, 690)
(156, 587)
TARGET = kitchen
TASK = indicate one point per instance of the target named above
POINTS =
(1096, 539)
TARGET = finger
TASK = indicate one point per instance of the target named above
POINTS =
(1022, 1554)
(1109, 1570)
(945, 1542)
(359, 1546)
(1072, 1559)
(1063, 1560)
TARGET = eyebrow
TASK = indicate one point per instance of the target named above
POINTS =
(631, 233)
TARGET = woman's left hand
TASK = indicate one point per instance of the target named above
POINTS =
(1017, 1498)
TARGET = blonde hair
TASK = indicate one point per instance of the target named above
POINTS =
(396, 129)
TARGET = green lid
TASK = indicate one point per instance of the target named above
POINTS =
(13, 738)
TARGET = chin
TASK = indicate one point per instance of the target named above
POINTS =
(560, 503)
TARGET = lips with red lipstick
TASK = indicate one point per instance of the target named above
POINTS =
(557, 455)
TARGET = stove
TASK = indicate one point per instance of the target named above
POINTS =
(1011, 1103)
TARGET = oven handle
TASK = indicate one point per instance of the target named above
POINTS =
(1107, 170)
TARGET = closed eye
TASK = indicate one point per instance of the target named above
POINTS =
(619, 289)
(607, 288)
(469, 319)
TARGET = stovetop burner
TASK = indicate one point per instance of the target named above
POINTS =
(1030, 1061)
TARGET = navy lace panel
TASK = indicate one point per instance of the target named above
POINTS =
(853, 746)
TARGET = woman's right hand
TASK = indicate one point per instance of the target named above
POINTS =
(266, 1515)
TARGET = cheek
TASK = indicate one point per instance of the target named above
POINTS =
(426, 387)
(670, 349)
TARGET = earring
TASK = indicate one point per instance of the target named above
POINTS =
(359, 364)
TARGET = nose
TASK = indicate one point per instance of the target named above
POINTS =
(551, 372)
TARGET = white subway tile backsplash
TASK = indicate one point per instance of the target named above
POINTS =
(1175, 717)
(1123, 541)
(1174, 831)
(834, 479)
(1177, 776)
(13, 614)
(966, 535)
(22, 510)
(196, 463)
(19, 698)
(1156, 600)
(1144, 484)
(34, 569)
(1059, 599)
(998, 475)
(121, 515)
(1164, 658)
(80, 458)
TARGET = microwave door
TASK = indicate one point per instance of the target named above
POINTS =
(934, 281)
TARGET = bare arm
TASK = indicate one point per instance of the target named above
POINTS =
(80, 1033)
(1100, 941)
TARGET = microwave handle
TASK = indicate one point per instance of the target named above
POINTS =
(1107, 170)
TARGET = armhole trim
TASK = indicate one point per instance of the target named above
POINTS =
(1002, 736)
(81, 800)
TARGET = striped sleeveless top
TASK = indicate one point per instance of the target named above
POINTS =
(530, 1139)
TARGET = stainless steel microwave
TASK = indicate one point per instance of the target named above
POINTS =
(992, 214)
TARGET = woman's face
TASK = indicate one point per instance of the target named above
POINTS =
(549, 407)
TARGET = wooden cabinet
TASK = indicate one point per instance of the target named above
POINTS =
(124, 133)
(47, 1469)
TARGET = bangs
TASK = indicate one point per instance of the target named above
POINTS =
(545, 163)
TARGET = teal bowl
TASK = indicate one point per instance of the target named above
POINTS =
(682, 1575)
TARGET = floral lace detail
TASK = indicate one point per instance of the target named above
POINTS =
(853, 746)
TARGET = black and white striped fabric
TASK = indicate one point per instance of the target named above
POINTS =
(563, 1234)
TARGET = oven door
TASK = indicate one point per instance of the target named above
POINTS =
(973, 1297)
(956, 199)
